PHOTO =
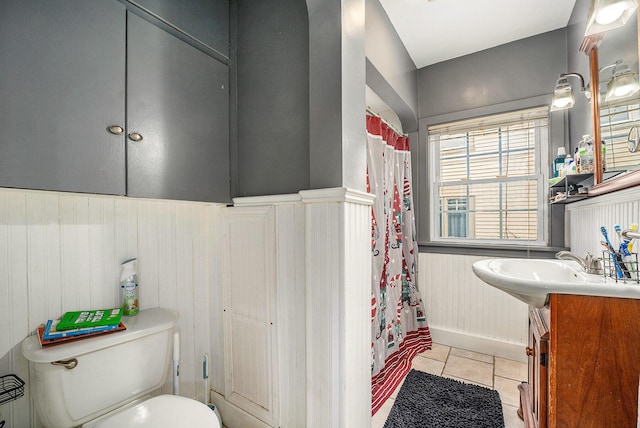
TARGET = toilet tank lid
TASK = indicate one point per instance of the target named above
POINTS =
(148, 321)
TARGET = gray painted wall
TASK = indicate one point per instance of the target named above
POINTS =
(270, 71)
(579, 117)
(337, 93)
(298, 72)
(391, 73)
(521, 69)
(517, 75)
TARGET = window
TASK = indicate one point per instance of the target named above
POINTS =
(487, 178)
(456, 218)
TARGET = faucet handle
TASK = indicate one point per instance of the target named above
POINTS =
(593, 265)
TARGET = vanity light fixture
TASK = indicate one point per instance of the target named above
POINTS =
(605, 15)
(623, 82)
(563, 98)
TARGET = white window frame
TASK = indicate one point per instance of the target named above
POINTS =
(541, 171)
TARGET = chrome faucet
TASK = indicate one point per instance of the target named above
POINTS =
(631, 234)
(589, 264)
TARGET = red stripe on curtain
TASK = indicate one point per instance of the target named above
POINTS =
(398, 366)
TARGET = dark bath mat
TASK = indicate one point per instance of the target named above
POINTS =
(429, 401)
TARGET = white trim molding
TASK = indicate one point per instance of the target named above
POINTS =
(336, 194)
(293, 198)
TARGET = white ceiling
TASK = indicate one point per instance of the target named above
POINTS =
(437, 30)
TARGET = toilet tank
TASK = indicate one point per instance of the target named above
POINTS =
(111, 370)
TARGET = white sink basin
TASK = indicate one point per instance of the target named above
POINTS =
(531, 281)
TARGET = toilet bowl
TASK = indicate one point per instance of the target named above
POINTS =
(163, 411)
(108, 381)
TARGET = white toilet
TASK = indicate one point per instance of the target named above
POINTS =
(106, 381)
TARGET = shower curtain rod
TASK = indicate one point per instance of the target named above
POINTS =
(373, 113)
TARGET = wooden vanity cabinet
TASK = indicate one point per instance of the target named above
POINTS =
(584, 363)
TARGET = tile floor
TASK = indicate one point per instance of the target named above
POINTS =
(470, 367)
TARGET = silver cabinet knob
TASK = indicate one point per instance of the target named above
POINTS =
(134, 136)
(116, 129)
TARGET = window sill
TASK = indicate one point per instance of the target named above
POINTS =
(519, 251)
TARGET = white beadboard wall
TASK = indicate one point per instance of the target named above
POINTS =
(323, 271)
(464, 312)
(62, 251)
(290, 278)
(584, 218)
(338, 289)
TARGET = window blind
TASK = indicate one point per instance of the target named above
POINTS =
(615, 122)
(486, 172)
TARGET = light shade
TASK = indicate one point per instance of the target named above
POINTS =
(562, 98)
(605, 15)
(622, 84)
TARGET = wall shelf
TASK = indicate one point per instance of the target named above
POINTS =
(564, 191)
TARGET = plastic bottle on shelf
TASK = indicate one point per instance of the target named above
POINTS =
(586, 154)
(558, 162)
(576, 159)
(568, 166)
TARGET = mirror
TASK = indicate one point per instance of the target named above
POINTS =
(618, 117)
(616, 120)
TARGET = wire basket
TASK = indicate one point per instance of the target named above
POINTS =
(11, 388)
(621, 269)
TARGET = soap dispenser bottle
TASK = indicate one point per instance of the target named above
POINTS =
(129, 301)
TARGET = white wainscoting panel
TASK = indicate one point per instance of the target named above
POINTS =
(249, 298)
(338, 253)
(62, 252)
(584, 219)
(290, 311)
(290, 262)
(465, 312)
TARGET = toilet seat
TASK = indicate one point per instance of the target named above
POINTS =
(163, 411)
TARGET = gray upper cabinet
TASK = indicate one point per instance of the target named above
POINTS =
(177, 101)
(71, 71)
(205, 20)
(62, 85)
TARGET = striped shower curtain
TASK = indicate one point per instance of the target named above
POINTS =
(399, 329)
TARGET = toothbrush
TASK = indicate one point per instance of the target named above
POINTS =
(634, 228)
(626, 256)
(618, 230)
(621, 269)
(629, 251)
(613, 257)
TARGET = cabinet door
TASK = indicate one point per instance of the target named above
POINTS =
(204, 20)
(249, 311)
(62, 71)
(178, 101)
(538, 377)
